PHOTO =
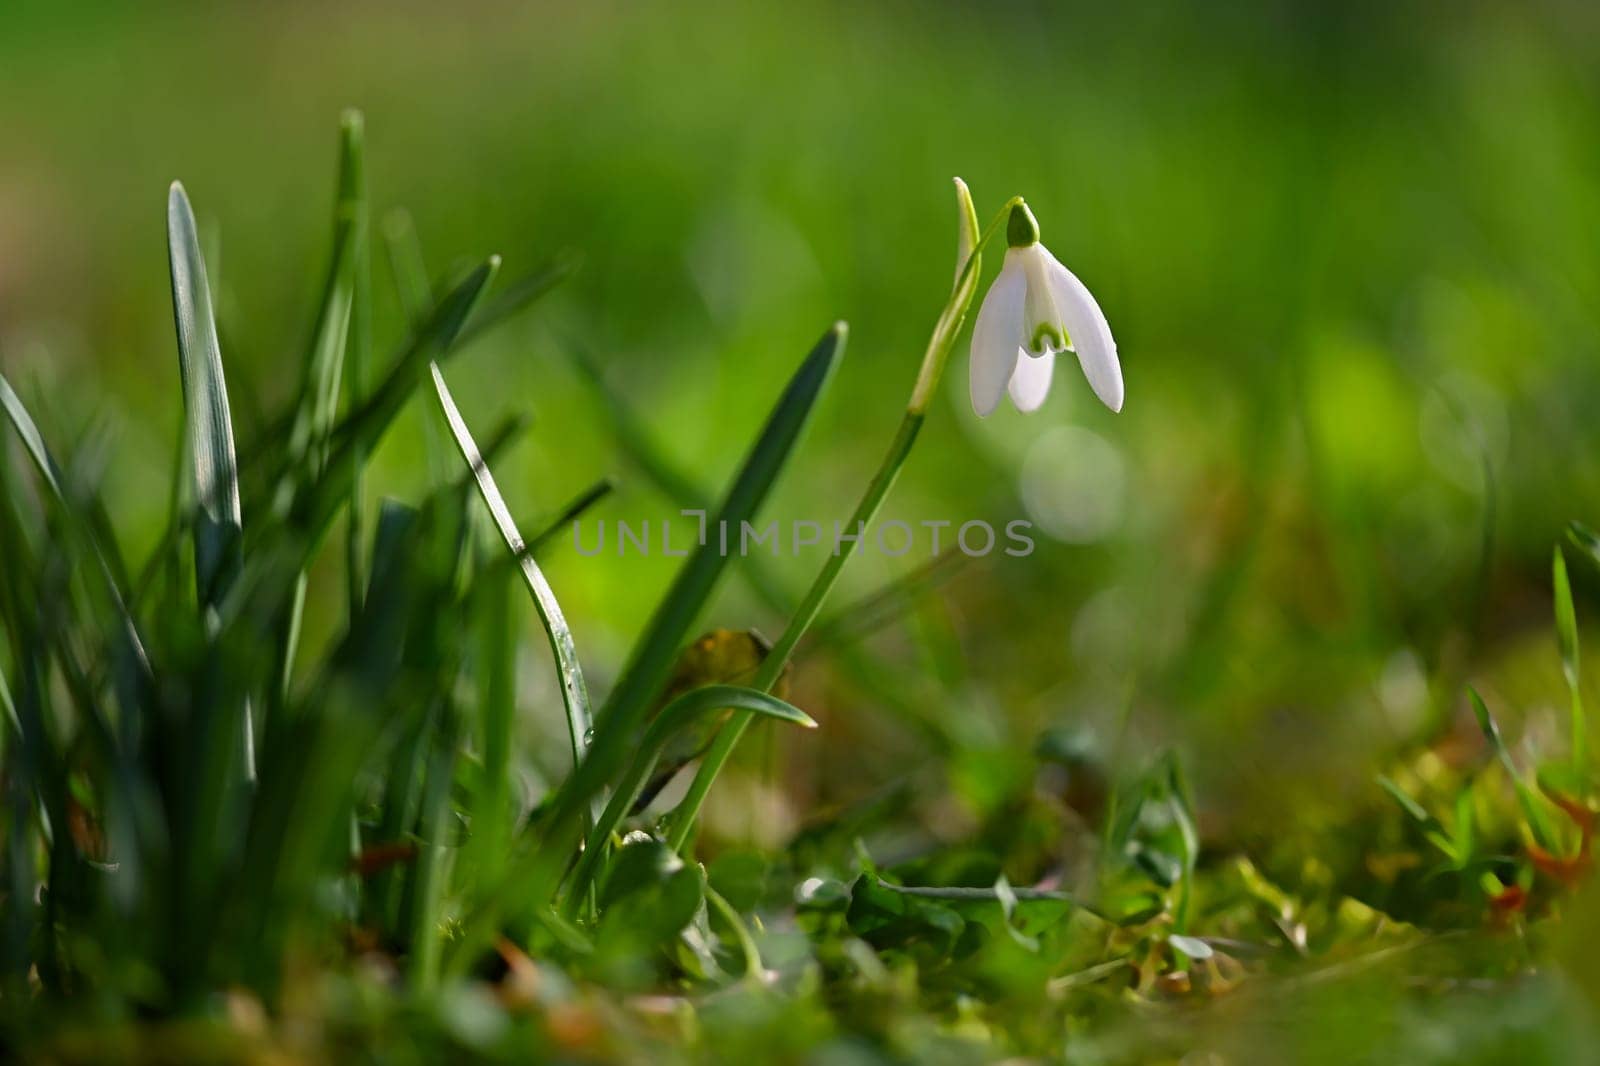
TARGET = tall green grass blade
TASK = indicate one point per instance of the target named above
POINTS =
(677, 716)
(650, 663)
(659, 470)
(409, 269)
(574, 694)
(519, 295)
(211, 453)
(219, 526)
(360, 431)
(325, 363)
(644, 677)
(424, 924)
(635, 438)
(354, 207)
(326, 359)
(407, 266)
(497, 706)
(1567, 636)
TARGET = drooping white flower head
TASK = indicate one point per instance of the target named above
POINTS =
(1035, 310)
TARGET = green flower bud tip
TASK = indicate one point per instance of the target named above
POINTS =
(1022, 230)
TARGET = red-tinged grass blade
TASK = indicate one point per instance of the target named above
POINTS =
(574, 694)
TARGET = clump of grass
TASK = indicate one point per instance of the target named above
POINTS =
(187, 813)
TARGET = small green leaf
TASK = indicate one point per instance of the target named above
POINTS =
(649, 895)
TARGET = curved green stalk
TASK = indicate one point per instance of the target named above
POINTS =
(943, 340)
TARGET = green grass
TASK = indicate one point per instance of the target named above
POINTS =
(224, 840)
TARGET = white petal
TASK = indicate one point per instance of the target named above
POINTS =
(1042, 320)
(1089, 335)
(1030, 382)
(996, 336)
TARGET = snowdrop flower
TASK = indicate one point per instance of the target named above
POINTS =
(1035, 310)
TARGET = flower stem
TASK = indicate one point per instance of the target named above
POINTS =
(933, 362)
(772, 666)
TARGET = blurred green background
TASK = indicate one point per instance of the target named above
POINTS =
(1348, 252)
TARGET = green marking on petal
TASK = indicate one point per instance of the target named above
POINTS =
(1047, 338)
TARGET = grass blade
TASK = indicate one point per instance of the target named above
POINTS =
(1543, 832)
(428, 880)
(648, 668)
(205, 397)
(359, 433)
(650, 663)
(324, 370)
(407, 265)
(355, 209)
(1585, 540)
(134, 678)
(28, 430)
(519, 295)
(1567, 636)
(571, 513)
(640, 446)
(574, 694)
(497, 633)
